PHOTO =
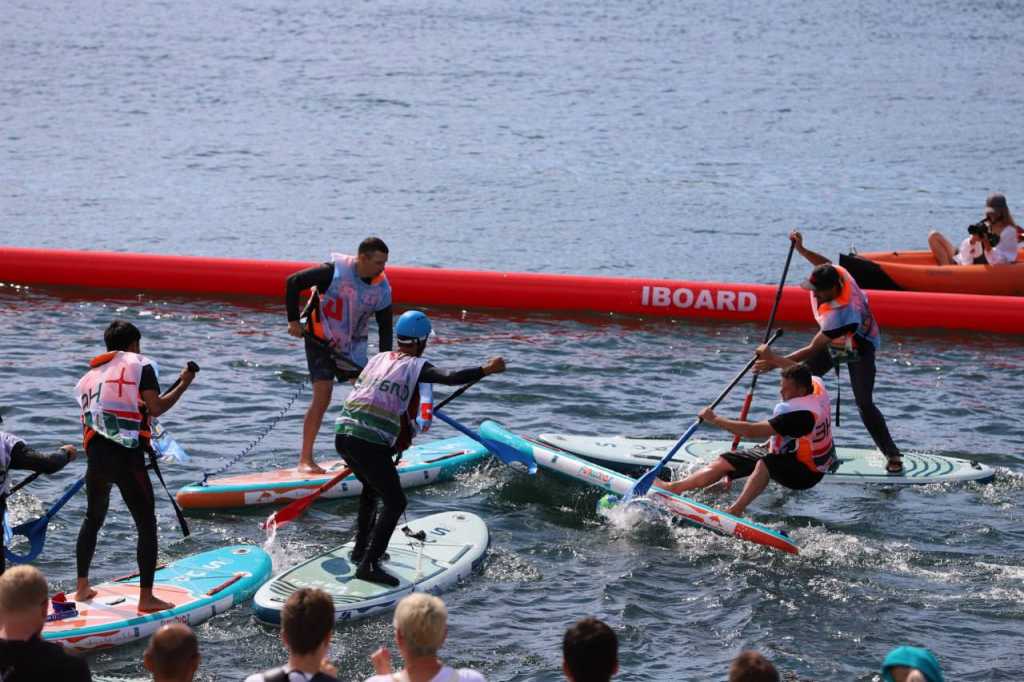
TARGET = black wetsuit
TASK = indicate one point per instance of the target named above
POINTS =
(373, 465)
(24, 457)
(111, 464)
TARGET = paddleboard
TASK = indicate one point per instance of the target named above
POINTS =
(856, 465)
(200, 586)
(431, 462)
(568, 464)
(454, 547)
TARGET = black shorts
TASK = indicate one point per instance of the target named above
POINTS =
(323, 366)
(785, 469)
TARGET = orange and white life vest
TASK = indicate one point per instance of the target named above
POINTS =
(850, 307)
(383, 392)
(108, 396)
(815, 450)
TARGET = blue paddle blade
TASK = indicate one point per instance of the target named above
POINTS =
(645, 482)
(35, 530)
(505, 453)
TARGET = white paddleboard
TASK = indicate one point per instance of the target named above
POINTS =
(454, 547)
(856, 465)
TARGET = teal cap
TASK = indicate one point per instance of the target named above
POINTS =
(913, 657)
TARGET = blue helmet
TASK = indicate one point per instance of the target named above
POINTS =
(413, 325)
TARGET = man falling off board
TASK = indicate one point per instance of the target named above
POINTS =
(798, 453)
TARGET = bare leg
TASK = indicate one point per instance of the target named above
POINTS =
(755, 485)
(941, 248)
(83, 591)
(322, 391)
(699, 479)
(148, 603)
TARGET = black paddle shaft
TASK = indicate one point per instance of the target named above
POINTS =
(746, 368)
(456, 394)
(775, 307)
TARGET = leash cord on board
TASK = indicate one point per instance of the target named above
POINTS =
(259, 438)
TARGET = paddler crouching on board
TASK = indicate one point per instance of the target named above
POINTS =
(15, 454)
(118, 396)
(798, 453)
(378, 421)
(346, 291)
(848, 335)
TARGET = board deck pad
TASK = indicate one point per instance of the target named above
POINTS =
(856, 465)
(455, 545)
(201, 586)
(431, 462)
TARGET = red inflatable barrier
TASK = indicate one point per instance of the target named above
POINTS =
(505, 290)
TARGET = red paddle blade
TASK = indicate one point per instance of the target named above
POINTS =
(293, 510)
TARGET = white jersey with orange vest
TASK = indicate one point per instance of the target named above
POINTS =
(848, 309)
(815, 449)
(109, 398)
(374, 408)
(342, 314)
(8, 441)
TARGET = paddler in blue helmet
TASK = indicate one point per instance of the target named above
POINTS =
(389, 404)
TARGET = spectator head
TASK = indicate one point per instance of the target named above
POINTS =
(23, 600)
(172, 654)
(307, 621)
(796, 381)
(750, 666)
(121, 335)
(590, 652)
(911, 664)
(373, 256)
(421, 625)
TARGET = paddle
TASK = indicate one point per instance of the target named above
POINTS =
(293, 510)
(641, 487)
(35, 530)
(505, 453)
(767, 332)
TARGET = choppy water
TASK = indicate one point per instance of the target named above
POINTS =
(655, 139)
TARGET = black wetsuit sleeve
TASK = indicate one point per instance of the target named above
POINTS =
(793, 424)
(432, 375)
(24, 457)
(384, 319)
(319, 277)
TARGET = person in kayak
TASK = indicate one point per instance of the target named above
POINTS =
(977, 248)
(15, 454)
(378, 421)
(346, 291)
(848, 335)
(117, 397)
(799, 450)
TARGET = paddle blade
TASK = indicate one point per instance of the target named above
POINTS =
(35, 532)
(294, 510)
(506, 453)
(645, 482)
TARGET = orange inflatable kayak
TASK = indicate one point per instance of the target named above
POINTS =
(918, 271)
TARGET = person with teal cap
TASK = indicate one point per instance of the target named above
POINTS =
(911, 664)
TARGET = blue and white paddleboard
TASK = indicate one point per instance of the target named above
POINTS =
(424, 464)
(200, 587)
(856, 465)
(453, 548)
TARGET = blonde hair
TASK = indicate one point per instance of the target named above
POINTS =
(423, 621)
(22, 588)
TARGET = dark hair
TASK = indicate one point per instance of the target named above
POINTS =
(750, 666)
(591, 651)
(800, 375)
(306, 618)
(172, 649)
(120, 334)
(371, 244)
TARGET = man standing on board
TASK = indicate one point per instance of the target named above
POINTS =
(799, 451)
(848, 335)
(347, 290)
(118, 396)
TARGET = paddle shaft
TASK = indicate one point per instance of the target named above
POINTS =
(644, 484)
(767, 332)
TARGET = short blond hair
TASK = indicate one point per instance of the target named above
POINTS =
(423, 621)
(22, 588)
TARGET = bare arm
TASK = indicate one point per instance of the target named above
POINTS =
(749, 430)
(812, 257)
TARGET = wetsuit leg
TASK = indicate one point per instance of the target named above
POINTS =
(375, 466)
(97, 495)
(862, 380)
(368, 498)
(137, 493)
